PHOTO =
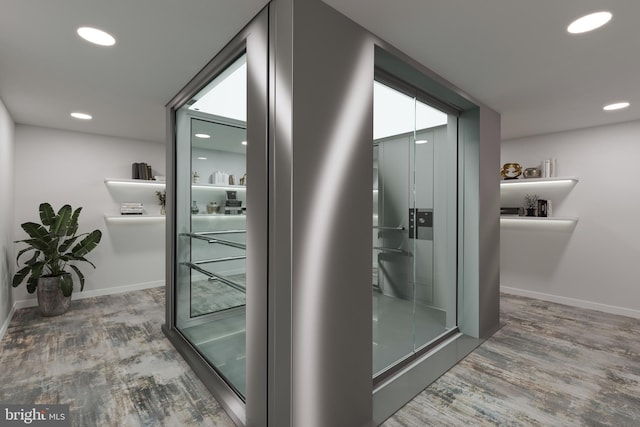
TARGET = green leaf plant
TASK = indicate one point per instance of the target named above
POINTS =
(54, 247)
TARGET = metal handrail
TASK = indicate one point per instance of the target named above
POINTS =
(229, 243)
(220, 241)
(207, 233)
(195, 236)
(214, 276)
(228, 258)
(393, 250)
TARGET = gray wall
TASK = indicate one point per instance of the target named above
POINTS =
(326, 154)
(596, 264)
(7, 258)
(130, 256)
(488, 246)
(479, 298)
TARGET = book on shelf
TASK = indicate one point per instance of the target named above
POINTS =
(131, 208)
(141, 171)
(512, 211)
(544, 207)
(233, 203)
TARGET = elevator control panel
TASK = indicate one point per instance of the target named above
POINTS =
(421, 224)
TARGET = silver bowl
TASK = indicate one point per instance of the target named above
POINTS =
(532, 173)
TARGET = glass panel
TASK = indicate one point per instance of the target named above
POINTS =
(211, 218)
(414, 281)
(219, 248)
(393, 290)
(435, 242)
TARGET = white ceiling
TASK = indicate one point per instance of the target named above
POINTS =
(513, 55)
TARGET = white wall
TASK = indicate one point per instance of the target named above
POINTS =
(596, 265)
(70, 167)
(7, 131)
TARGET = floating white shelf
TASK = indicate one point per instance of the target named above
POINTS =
(144, 191)
(114, 218)
(133, 219)
(134, 182)
(219, 186)
(542, 183)
(135, 190)
(217, 216)
(538, 223)
(512, 192)
(159, 184)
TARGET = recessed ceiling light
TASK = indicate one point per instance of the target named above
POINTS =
(244, 143)
(421, 141)
(202, 135)
(202, 158)
(96, 36)
(616, 106)
(589, 22)
(81, 116)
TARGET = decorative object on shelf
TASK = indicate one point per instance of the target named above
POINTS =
(55, 244)
(544, 208)
(232, 205)
(194, 208)
(549, 168)
(531, 204)
(213, 207)
(162, 198)
(511, 170)
(131, 208)
(243, 180)
(196, 178)
(513, 211)
(141, 171)
(232, 180)
(532, 173)
(220, 178)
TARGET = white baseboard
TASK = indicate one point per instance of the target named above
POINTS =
(5, 325)
(612, 309)
(32, 302)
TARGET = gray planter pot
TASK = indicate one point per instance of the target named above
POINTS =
(50, 299)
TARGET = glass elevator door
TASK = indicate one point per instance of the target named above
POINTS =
(211, 213)
(414, 233)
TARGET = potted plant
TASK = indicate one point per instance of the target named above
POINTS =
(54, 245)
(162, 199)
(531, 204)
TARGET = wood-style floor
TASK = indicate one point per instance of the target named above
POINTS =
(109, 361)
(550, 365)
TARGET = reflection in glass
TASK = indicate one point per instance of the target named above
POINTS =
(211, 223)
(414, 244)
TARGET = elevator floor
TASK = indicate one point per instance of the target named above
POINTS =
(210, 296)
(222, 343)
(394, 336)
(222, 340)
